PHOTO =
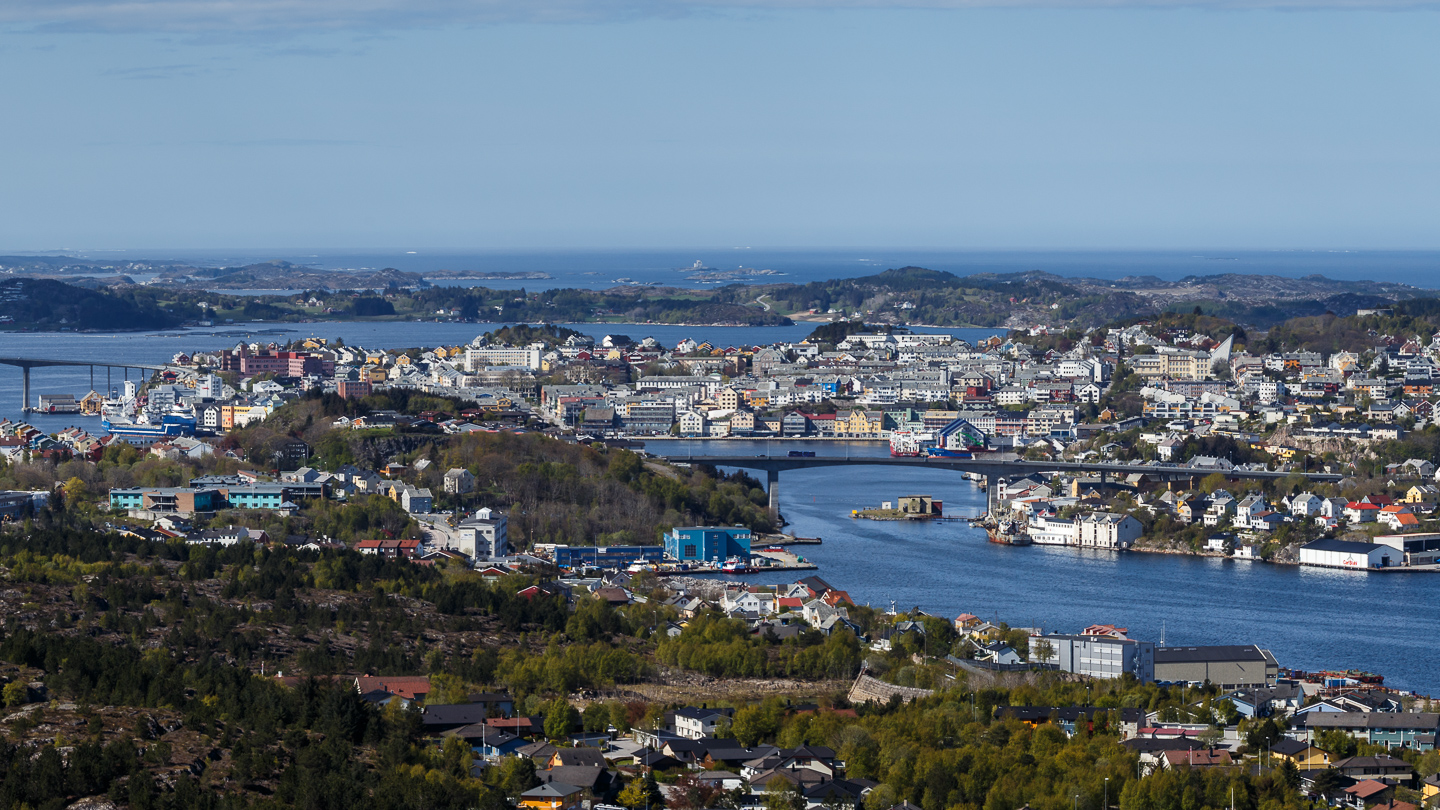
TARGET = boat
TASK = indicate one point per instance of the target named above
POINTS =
(909, 443)
(1007, 534)
(942, 452)
(735, 565)
(147, 428)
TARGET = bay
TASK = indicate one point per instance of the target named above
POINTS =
(1310, 618)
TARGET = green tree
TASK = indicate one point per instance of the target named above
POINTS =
(782, 794)
(642, 792)
(560, 719)
(16, 693)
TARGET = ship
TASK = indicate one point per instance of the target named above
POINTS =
(909, 443)
(1008, 534)
(145, 429)
(735, 565)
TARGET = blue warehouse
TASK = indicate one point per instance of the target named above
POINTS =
(707, 543)
(606, 556)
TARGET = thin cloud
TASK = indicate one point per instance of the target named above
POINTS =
(201, 16)
(159, 72)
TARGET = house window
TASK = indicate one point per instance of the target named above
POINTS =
(689, 551)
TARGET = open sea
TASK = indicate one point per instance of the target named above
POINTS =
(601, 269)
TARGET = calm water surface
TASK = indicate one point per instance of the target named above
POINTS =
(1310, 618)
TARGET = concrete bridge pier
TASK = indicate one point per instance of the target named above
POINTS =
(772, 488)
(25, 390)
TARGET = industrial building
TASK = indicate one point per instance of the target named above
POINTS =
(610, 557)
(1422, 548)
(1228, 667)
(707, 543)
(1347, 554)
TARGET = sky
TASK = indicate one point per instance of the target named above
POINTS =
(501, 124)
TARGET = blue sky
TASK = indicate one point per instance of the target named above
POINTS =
(594, 123)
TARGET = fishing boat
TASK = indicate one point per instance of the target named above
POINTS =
(1008, 534)
(735, 565)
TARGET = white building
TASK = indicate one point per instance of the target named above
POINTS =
(691, 424)
(1045, 531)
(1345, 554)
(486, 534)
(1096, 656)
(478, 358)
(1108, 530)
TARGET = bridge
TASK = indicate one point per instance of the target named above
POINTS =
(27, 363)
(993, 467)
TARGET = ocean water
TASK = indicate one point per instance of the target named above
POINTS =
(601, 269)
(1310, 618)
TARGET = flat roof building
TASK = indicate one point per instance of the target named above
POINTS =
(1228, 667)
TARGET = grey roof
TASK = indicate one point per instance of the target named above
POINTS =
(1191, 655)
(1348, 546)
(1427, 721)
(584, 776)
(590, 757)
(1288, 747)
(551, 790)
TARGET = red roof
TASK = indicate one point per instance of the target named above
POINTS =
(412, 687)
(1367, 788)
(1198, 759)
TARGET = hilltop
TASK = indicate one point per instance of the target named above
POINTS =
(916, 295)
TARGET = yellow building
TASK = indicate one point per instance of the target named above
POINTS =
(1422, 493)
(728, 399)
(552, 796)
(1305, 756)
(1429, 790)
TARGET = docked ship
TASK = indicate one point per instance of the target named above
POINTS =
(910, 443)
(146, 428)
(1008, 534)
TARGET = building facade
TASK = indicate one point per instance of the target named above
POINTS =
(707, 543)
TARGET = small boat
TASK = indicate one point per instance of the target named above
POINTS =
(942, 452)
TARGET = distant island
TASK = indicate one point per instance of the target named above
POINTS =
(905, 296)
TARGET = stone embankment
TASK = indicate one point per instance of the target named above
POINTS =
(867, 689)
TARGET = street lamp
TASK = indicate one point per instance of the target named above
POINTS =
(1106, 805)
